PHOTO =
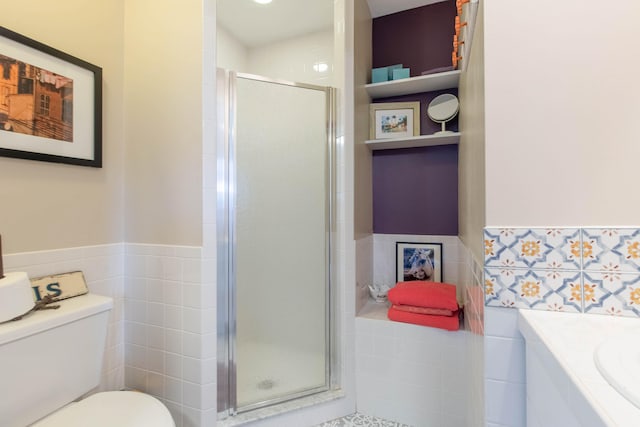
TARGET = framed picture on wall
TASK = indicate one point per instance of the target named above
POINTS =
(418, 261)
(394, 120)
(50, 103)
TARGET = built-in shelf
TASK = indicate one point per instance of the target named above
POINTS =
(428, 83)
(414, 141)
(374, 310)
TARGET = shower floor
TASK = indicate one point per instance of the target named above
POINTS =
(357, 420)
(266, 371)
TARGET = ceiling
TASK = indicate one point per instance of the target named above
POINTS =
(387, 7)
(256, 24)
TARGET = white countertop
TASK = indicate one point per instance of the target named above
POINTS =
(571, 340)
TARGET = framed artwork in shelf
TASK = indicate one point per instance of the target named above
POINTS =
(394, 120)
(418, 261)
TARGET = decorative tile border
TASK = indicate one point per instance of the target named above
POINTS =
(551, 290)
(591, 270)
(538, 248)
(616, 294)
(611, 249)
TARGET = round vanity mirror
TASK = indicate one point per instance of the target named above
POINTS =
(442, 109)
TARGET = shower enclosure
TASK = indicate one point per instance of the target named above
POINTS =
(275, 221)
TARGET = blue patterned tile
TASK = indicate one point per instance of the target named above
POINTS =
(612, 293)
(611, 249)
(532, 248)
(553, 290)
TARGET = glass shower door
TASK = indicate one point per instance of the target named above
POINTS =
(280, 205)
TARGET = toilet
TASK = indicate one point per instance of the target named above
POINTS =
(51, 358)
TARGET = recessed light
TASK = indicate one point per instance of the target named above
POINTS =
(263, 1)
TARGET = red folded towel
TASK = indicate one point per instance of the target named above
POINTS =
(450, 323)
(423, 310)
(424, 294)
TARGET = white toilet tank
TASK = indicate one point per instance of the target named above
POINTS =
(51, 358)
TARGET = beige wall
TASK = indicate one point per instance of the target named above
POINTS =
(163, 121)
(363, 209)
(47, 205)
(562, 104)
(471, 203)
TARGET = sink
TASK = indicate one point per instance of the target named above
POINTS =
(618, 360)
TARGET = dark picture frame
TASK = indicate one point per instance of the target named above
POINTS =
(418, 261)
(50, 103)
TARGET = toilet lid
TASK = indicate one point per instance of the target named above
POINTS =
(109, 409)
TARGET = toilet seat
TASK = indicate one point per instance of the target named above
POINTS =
(109, 409)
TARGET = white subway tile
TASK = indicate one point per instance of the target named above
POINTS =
(155, 360)
(173, 365)
(155, 290)
(191, 345)
(501, 322)
(504, 359)
(172, 293)
(155, 314)
(192, 270)
(173, 340)
(192, 395)
(172, 269)
(155, 337)
(155, 384)
(505, 403)
(192, 320)
(153, 267)
(191, 296)
(173, 390)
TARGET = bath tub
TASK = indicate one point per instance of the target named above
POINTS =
(565, 387)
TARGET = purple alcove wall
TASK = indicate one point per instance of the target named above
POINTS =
(415, 190)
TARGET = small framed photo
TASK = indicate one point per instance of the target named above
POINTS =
(418, 261)
(394, 120)
(50, 103)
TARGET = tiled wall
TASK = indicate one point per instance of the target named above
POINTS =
(103, 270)
(417, 375)
(170, 330)
(504, 369)
(454, 258)
(474, 323)
(161, 337)
(572, 269)
(411, 374)
(590, 270)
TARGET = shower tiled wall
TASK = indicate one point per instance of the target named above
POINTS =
(590, 270)
(103, 270)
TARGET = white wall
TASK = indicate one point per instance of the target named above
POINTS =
(294, 59)
(231, 53)
(561, 109)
